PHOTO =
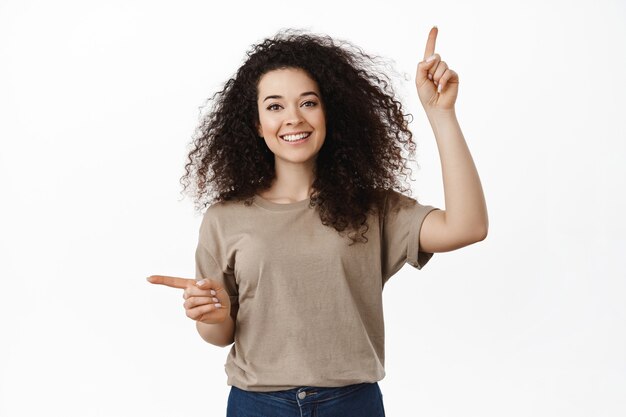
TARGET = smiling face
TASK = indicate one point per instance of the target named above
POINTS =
(289, 101)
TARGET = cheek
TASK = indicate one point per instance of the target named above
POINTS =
(321, 125)
(269, 125)
(320, 120)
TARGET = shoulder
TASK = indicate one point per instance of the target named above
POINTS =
(224, 208)
(222, 213)
(395, 200)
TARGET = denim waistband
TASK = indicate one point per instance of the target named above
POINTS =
(303, 395)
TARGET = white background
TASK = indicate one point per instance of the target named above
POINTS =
(98, 103)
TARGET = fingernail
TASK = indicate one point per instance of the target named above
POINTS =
(430, 77)
(218, 305)
(200, 283)
(439, 88)
(215, 300)
(430, 58)
(213, 292)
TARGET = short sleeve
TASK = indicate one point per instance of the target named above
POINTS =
(212, 261)
(401, 224)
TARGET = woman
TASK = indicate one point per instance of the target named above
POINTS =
(303, 149)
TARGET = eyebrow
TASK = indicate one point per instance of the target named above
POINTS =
(308, 93)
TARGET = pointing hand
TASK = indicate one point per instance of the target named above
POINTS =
(437, 85)
(205, 300)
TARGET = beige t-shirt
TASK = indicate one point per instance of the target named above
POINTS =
(307, 307)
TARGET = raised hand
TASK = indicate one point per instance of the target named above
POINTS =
(437, 85)
(205, 300)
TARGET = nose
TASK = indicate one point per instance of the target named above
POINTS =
(293, 117)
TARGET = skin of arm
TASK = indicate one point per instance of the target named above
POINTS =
(465, 219)
(219, 334)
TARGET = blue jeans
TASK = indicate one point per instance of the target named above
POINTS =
(359, 400)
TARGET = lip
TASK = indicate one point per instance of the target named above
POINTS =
(294, 133)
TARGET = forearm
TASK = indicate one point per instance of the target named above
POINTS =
(219, 334)
(466, 209)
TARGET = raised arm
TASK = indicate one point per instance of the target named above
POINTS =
(464, 220)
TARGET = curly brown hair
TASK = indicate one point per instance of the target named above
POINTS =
(365, 131)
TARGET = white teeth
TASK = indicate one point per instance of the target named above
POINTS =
(292, 138)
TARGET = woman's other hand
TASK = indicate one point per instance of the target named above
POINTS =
(205, 300)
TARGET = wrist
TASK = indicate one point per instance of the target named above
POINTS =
(219, 334)
(441, 113)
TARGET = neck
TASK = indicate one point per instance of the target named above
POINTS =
(293, 181)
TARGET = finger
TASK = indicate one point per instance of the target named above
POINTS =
(430, 43)
(438, 72)
(425, 68)
(197, 312)
(170, 281)
(192, 302)
(214, 287)
(448, 77)
(205, 288)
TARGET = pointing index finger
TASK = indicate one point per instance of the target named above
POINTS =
(170, 281)
(430, 43)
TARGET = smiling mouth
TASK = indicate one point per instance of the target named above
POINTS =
(296, 138)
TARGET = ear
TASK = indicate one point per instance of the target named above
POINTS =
(259, 130)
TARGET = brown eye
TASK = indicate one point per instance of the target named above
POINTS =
(270, 106)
